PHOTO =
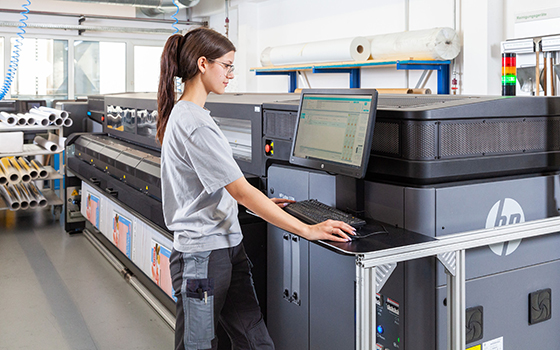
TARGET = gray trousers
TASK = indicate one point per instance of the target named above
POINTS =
(216, 286)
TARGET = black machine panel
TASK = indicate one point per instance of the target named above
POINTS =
(436, 138)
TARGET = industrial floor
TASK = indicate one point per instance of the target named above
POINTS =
(58, 292)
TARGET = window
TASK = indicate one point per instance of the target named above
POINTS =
(42, 70)
(146, 68)
(99, 67)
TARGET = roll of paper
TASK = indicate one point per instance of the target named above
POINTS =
(43, 173)
(41, 200)
(58, 112)
(428, 44)
(8, 118)
(56, 139)
(10, 197)
(39, 120)
(30, 169)
(29, 118)
(348, 49)
(44, 114)
(11, 173)
(21, 119)
(58, 121)
(46, 144)
(68, 122)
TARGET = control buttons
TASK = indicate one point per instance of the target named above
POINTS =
(269, 148)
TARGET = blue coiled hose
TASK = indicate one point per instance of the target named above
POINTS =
(175, 18)
(15, 55)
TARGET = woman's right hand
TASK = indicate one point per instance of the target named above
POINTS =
(330, 230)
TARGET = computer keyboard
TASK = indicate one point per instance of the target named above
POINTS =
(312, 211)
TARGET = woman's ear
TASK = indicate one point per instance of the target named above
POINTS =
(202, 63)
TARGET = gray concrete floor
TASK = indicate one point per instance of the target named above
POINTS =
(58, 292)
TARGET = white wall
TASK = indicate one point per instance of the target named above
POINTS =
(482, 25)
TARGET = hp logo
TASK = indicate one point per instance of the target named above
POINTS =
(505, 212)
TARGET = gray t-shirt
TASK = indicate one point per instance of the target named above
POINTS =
(196, 163)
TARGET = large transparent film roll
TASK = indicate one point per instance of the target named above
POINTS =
(428, 44)
(338, 50)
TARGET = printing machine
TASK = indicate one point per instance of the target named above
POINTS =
(438, 165)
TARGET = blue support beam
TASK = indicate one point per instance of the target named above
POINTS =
(355, 75)
(442, 72)
(291, 74)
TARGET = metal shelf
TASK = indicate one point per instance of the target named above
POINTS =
(353, 68)
(50, 195)
(27, 128)
(30, 149)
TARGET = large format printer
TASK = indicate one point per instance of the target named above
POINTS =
(439, 165)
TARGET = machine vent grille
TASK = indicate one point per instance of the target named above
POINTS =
(482, 137)
(386, 138)
(419, 140)
(280, 124)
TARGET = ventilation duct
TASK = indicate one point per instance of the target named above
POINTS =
(149, 7)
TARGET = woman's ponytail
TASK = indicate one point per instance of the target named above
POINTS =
(179, 59)
(169, 69)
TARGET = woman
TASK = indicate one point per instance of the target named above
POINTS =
(201, 186)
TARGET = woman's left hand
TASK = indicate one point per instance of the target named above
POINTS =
(282, 202)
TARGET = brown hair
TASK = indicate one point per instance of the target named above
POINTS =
(180, 59)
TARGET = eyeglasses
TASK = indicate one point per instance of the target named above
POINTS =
(230, 68)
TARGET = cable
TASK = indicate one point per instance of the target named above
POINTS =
(10, 75)
(175, 18)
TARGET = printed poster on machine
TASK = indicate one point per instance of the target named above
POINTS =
(122, 233)
(159, 271)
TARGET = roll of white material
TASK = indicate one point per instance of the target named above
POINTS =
(68, 122)
(46, 144)
(29, 118)
(339, 50)
(39, 120)
(428, 44)
(58, 112)
(44, 114)
(21, 119)
(8, 118)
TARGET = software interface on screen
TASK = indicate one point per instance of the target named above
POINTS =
(333, 128)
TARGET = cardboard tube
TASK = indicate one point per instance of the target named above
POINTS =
(58, 112)
(10, 197)
(11, 173)
(43, 173)
(8, 118)
(46, 144)
(24, 163)
(44, 114)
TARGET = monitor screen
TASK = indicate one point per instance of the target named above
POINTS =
(334, 130)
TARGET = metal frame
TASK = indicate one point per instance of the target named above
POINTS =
(450, 251)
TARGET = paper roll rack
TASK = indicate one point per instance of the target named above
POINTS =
(354, 69)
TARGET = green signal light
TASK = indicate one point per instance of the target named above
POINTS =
(509, 79)
(398, 340)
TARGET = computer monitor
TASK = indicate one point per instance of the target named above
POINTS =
(334, 130)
